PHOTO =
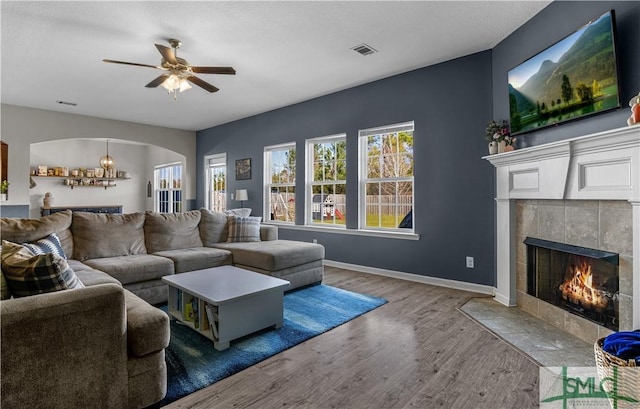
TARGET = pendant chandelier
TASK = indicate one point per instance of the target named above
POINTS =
(107, 162)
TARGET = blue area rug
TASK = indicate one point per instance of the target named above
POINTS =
(193, 363)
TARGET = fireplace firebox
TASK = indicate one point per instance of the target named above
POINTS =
(581, 280)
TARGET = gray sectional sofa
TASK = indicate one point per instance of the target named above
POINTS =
(105, 343)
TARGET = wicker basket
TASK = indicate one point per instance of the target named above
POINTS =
(628, 380)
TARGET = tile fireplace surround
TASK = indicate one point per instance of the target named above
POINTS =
(583, 191)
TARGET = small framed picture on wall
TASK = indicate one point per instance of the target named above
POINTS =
(243, 169)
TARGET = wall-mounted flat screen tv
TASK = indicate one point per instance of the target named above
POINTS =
(573, 78)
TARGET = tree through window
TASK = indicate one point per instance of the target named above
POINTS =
(386, 183)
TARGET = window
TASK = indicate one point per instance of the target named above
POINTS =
(386, 177)
(280, 183)
(168, 187)
(327, 180)
(216, 179)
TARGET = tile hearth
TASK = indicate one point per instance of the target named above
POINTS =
(544, 343)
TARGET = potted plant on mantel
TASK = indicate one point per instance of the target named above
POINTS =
(499, 137)
(4, 189)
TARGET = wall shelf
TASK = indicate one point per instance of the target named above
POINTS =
(74, 181)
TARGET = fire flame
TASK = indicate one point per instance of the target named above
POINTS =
(579, 289)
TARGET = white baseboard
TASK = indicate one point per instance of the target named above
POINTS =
(506, 301)
(441, 282)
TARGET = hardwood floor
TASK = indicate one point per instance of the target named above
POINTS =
(417, 351)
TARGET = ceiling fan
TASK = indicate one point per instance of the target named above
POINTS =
(179, 73)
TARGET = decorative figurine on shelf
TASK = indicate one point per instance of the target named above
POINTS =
(634, 119)
(48, 199)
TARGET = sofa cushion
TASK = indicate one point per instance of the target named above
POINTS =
(171, 231)
(243, 229)
(152, 291)
(31, 274)
(213, 227)
(5, 294)
(297, 276)
(274, 255)
(132, 269)
(49, 244)
(90, 276)
(25, 230)
(196, 258)
(97, 235)
(268, 232)
(147, 326)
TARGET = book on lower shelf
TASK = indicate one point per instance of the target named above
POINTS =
(189, 313)
(178, 300)
(195, 312)
(211, 316)
(205, 319)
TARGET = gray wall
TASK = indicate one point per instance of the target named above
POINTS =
(552, 24)
(454, 188)
(450, 104)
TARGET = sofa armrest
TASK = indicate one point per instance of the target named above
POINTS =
(65, 348)
(268, 232)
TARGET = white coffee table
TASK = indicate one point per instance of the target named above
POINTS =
(231, 302)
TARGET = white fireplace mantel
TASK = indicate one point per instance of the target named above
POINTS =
(600, 166)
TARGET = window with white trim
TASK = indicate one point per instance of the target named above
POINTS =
(280, 183)
(327, 181)
(168, 188)
(386, 178)
(216, 179)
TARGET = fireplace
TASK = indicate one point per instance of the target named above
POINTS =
(580, 280)
(584, 191)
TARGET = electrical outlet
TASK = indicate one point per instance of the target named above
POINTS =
(469, 262)
(232, 196)
(315, 241)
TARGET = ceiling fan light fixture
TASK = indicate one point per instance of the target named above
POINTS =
(184, 85)
(178, 75)
(171, 83)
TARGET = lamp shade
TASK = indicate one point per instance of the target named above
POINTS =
(241, 194)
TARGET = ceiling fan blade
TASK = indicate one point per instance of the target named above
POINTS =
(157, 81)
(214, 70)
(168, 54)
(202, 84)
(135, 63)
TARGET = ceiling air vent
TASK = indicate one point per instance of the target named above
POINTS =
(364, 49)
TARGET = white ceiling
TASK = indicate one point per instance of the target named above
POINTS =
(284, 52)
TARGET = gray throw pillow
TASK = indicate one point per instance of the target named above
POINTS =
(98, 235)
(243, 229)
(26, 230)
(171, 231)
(213, 227)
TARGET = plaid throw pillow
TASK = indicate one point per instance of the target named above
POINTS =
(49, 244)
(243, 229)
(30, 274)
